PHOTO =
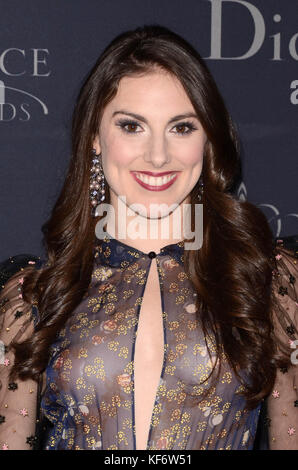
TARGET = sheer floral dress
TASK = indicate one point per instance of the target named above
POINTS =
(86, 394)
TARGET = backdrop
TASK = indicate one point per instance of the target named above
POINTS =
(48, 47)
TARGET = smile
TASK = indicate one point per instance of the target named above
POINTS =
(155, 183)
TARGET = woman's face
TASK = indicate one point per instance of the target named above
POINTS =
(151, 126)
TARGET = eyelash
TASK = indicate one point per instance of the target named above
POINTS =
(125, 122)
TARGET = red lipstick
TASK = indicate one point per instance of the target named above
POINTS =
(150, 173)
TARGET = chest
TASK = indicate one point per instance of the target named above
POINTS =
(150, 334)
(130, 326)
(149, 355)
(131, 357)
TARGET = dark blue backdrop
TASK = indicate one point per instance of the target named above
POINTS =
(47, 48)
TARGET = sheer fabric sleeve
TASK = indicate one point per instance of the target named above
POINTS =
(282, 403)
(18, 399)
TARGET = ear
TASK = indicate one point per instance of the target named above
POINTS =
(96, 145)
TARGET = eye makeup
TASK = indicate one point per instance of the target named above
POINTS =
(123, 123)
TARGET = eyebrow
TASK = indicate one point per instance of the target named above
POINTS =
(141, 118)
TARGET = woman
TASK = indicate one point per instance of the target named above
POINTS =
(144, 344)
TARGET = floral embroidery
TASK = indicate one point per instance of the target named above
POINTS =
(267, 421)
(291, 431)
(18, 314)
(24, 412)
(12, 386)
(290, 330)
(96, 339)
(286, 311)
(105, 326)
(90, 378)
(31, 440)
(292, 279)
(5, 447)
(282, 290)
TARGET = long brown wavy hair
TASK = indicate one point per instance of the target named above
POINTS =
(232, 271)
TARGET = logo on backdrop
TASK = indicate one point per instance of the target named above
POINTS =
(10, 110)
(259, 31)
(275, 218)
(16, 103)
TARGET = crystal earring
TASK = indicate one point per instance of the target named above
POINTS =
(97, 183)
(201, 188)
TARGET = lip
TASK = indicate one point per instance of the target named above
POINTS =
(150, 173)
(155, 188)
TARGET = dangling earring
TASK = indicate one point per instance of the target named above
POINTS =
(201, 188)
(97, 183)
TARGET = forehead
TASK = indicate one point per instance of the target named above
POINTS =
(157, 90)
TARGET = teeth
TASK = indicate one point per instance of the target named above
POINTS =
(155, 180)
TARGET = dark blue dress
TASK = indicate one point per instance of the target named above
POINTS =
(88, 398)
(89, 395)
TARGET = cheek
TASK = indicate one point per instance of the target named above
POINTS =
(117, 154)
(191, 154)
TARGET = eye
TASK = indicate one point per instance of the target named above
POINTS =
(128, 126)
(189, 126)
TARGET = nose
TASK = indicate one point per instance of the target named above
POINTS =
(157, 152)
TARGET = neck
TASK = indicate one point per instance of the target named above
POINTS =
(142, 232)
